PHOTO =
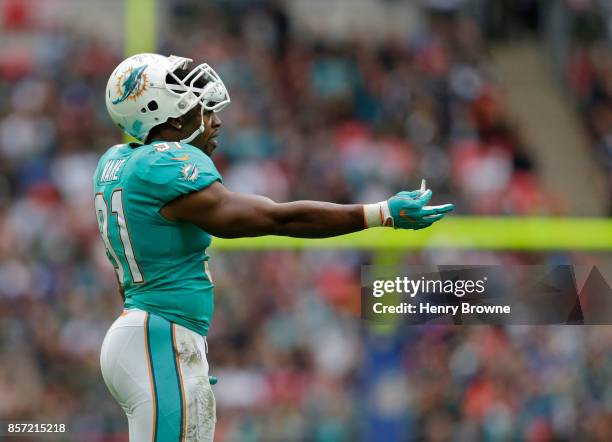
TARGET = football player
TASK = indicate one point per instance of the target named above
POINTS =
(158, 202)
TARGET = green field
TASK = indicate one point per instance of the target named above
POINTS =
(460, 232)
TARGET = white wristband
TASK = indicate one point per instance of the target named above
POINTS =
(376, 215)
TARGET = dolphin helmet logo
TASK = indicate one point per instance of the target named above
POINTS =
(131, 84)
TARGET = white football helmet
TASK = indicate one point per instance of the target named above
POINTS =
(138, 97)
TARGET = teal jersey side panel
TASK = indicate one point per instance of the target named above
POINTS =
(162, 264)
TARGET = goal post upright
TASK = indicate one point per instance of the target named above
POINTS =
(140, 26)
(139, 31)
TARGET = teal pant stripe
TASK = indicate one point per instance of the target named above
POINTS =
(178, 377)
(168, 395)
(148, 318)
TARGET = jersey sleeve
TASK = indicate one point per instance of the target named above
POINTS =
(179, 170)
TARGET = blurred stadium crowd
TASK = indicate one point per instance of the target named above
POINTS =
(309, 119)
(589, 75)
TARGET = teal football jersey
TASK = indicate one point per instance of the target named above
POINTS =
(162, 265)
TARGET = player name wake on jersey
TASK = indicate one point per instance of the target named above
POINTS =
(161, 264)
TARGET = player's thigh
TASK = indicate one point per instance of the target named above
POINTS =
(125, 369)
(200, 415)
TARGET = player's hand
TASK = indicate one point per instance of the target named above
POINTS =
(406, 210)
(409, 210)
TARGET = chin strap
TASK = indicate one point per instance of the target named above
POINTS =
(198, 131)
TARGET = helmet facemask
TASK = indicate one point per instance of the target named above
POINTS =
(202, 85)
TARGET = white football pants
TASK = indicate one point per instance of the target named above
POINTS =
(158, 372)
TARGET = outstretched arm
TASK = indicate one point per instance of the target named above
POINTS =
(228, 214)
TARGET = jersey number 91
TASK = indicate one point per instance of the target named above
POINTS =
(116, 208)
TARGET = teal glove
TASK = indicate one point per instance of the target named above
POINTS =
(405, 210)
(408, 210)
